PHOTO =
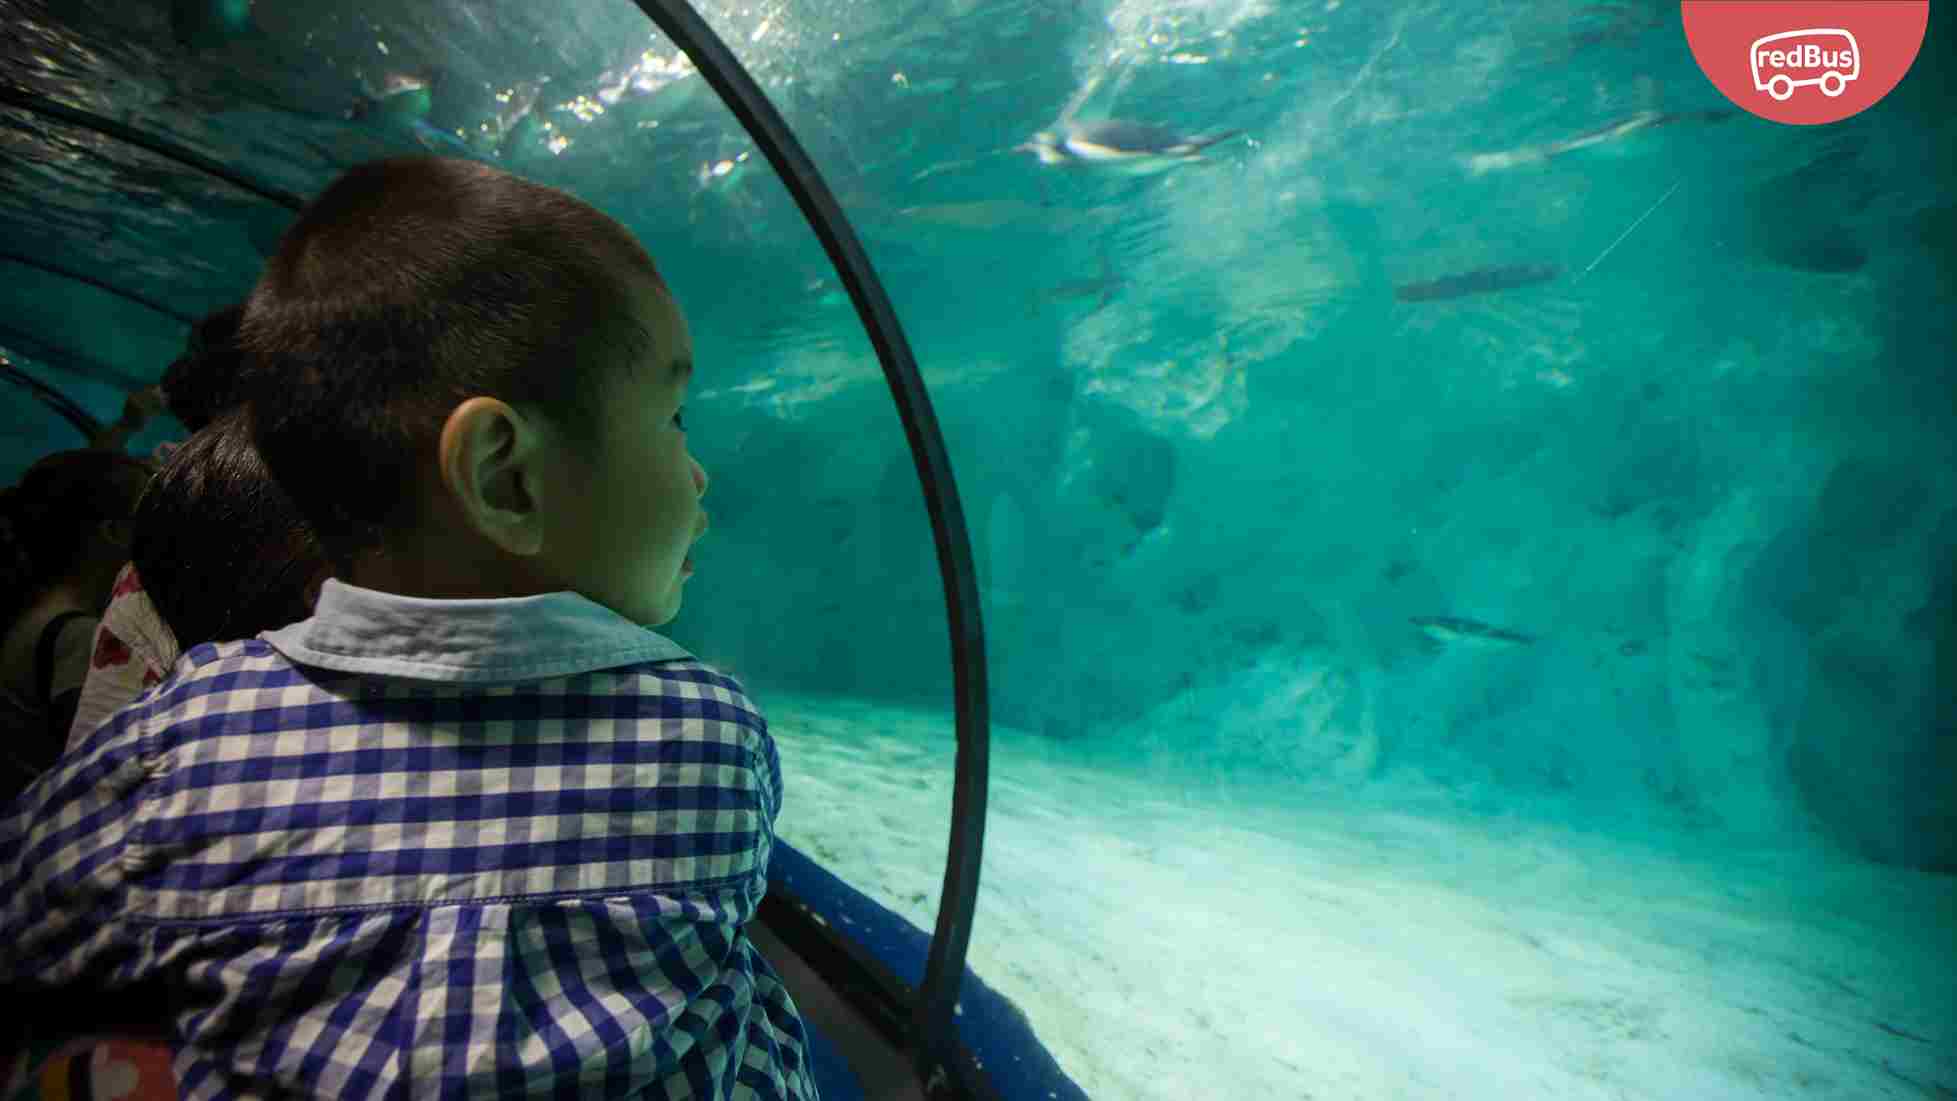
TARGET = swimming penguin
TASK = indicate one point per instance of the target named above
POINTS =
(1611, 135)
(403, 106)
(403, 99)
(1125, 148)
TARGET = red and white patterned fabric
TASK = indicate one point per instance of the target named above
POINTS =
(134, 650)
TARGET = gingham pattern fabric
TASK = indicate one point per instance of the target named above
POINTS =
(359, 885)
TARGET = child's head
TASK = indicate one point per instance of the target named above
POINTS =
(470, 385)
(221, 550)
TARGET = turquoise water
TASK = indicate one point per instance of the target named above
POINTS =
(1533, 691)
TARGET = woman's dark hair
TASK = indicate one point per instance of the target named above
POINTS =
(49, 516)
(221, 550)
(407, 287)
(203, 382)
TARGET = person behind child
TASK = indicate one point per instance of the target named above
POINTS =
(211, 517)
(473, 827)
(218, 552)
(64, 531)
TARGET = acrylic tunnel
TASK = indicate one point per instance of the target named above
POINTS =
(1321, 550)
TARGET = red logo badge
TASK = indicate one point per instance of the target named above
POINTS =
(1805, 62)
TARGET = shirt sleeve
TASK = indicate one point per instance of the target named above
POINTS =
(133, 650)
(116, 676)
(66, 850)
(769, 772)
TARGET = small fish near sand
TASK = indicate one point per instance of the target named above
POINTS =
(1101, 288)
(1121, 148)
(1469, 634)
(1478, 281)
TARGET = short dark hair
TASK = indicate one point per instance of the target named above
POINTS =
(49, 516)
(203, 382)
(406, 287)
(220, 548)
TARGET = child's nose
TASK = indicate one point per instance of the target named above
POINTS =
(699, 476)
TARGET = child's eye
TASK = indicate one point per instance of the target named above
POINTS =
(679, 420)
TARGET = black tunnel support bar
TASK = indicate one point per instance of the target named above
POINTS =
(162, 147)
(35, 347)
(100, 285)
(934, 1030)
(64, 406)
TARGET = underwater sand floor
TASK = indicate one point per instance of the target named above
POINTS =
(1167, 945)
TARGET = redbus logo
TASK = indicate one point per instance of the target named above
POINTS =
(1831, 52)
(1760, 53)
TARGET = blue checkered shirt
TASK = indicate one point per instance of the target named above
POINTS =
(441, 848)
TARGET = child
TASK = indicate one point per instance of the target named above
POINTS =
(134, 645)
(218, 553)
(472, 828)
(64, 531)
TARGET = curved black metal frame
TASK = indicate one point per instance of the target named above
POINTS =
(941, 1060)
(162, 147)
(41, 105)
(100, 285)
(34, 347)
(64, 406)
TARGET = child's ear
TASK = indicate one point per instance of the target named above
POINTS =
(488, 454)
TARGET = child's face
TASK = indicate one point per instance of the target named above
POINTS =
(624, 538)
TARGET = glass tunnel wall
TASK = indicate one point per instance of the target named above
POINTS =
(1500, 464)
(828, 582)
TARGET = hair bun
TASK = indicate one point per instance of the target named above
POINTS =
(216, 332)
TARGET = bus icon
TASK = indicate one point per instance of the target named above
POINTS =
(1823, 56)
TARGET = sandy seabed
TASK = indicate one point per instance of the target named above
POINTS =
(1174, 944)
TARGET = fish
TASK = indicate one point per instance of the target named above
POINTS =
(1609, 25)
(1455, 631)
(1478, 281)
(952, 166)
(1101, 288)
(1796, 219)
(982, 214)
(1831, 251)
(1611, 132)
(1123, 148)
(1832, 176)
